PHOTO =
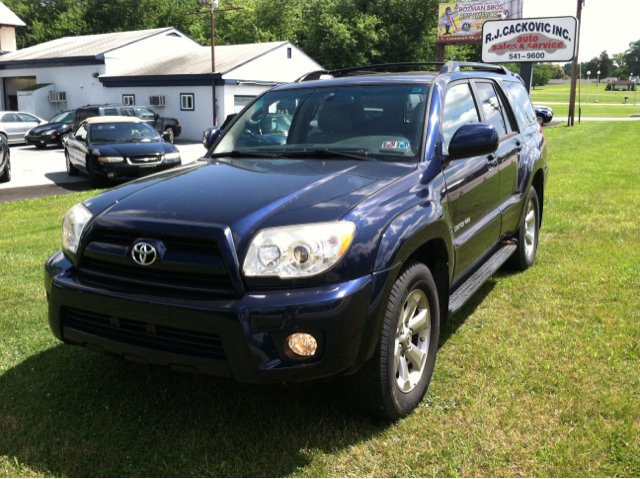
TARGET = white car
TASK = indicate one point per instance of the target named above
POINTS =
(14, 125)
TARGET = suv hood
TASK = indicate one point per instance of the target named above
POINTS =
(250, 194)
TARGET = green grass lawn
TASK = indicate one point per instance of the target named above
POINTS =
(561, 94)
(539, 375)
(603, 111)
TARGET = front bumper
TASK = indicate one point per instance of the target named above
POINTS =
(244, 336)
(125, 170)
(43, 140)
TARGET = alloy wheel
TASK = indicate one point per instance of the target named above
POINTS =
(412, 341)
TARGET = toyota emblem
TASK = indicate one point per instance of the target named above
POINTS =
(144, 253)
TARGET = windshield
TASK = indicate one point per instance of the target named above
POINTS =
(122, 132)
(65, 117)
(382, 122)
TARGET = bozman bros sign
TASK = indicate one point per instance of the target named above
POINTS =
(529, 40)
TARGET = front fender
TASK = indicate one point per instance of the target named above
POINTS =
(409, 231)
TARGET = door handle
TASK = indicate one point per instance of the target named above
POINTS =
(519, 145)
(492, 161)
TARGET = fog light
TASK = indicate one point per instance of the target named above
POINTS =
(302, 344)
(111, 174)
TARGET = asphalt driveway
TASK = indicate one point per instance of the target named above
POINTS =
(37, 173)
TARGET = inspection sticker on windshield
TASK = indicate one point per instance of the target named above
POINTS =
(396, 145)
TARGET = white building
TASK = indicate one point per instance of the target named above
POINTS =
(161, 68)
(8, 23)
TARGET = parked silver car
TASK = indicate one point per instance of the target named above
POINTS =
(14, 125)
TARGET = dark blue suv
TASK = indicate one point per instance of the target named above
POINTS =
(337, 252)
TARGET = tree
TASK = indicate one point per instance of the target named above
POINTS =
(542, 73)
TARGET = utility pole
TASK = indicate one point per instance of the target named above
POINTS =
(214, 8)
(574, 73)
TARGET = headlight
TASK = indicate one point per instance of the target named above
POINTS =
(110, 159)
(74, 222)
(48, 132)
(172, 156)
(295, 251)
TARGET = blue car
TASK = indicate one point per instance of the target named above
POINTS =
(330, 230)
(544, 114)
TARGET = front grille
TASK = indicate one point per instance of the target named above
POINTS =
(144, 160)
(191, 266)
(151, 336)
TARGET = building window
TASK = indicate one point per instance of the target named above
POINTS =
(240, 101)
(288, 52)
(186, 101)
(128, 99)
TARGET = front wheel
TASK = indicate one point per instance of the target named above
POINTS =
(540, 119)
(71, 170)
(94, 178)
(171, 136)
(527, 235)
(394, 381)
(5, 177)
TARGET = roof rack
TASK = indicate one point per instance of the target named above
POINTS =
(448, 67)
(451, 67)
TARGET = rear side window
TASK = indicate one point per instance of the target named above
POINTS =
(459, 110)
(521, 103)
(491, 107)
(111, 112)
(10, 118)
(84, 114)
(28, 118)
(128, 112)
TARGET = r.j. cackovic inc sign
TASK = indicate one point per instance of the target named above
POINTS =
(529, 40)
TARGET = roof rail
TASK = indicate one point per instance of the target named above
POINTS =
(451, 67)
(315, 75)
(448, 67)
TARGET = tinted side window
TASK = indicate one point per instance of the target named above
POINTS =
(491, 107)
(459, 109)
(82, 115)
(128, 112)
(521, 103)
(111, 112)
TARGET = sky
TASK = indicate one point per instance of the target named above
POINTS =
(606, 24)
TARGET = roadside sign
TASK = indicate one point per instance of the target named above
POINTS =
(529, 40)
(461, 22)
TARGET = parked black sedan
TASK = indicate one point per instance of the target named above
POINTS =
(51, 133)
(115, 148)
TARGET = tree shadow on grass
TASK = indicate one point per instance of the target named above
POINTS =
(70, 412)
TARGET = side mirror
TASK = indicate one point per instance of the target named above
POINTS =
(156, 116)
(475, 139)
(166, 136)
(210, 136)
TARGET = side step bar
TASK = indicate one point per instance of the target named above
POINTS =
(467, 289)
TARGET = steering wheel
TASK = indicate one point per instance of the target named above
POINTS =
(257, 117)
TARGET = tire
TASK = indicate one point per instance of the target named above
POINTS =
(540, 119)
(527, 235)
(172, 136)
(391, 384)
(5, 177)
(96, 181)
(71, 170)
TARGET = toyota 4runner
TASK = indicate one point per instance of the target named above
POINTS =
(337, 252)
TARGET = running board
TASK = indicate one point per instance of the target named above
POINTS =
(467, 289)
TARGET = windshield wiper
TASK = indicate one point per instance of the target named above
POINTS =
(246, 154)
(139, 139)
(326, 153)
